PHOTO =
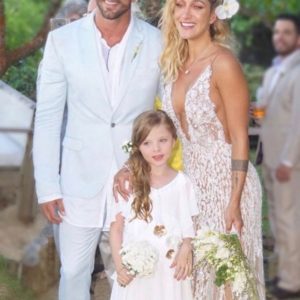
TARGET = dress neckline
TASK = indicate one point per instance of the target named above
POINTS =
(198, 79)
(168, 183)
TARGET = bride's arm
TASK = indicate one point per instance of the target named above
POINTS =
(232, 87)
(183, 260)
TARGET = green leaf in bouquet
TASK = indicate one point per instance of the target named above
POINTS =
(221, 275)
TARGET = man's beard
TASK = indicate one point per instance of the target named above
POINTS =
(285, 51)
(113, 15)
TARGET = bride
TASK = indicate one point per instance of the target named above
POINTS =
(206, 95)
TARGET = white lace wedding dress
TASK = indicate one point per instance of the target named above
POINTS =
(207, 161)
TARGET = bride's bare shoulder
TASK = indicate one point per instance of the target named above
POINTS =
(225, 58)
(226, 64)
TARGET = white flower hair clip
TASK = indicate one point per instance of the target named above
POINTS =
(228, 9)
(127, 147)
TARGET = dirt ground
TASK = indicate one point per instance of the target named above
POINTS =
(14, 236)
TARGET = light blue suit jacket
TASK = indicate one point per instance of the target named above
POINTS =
(72, 74)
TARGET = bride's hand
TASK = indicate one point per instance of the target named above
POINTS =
(233, 217)
(122, 184)
(183, 262)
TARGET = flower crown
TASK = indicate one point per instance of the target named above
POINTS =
(227, 9)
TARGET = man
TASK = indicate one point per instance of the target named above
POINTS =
(105, 68)
(280, 135)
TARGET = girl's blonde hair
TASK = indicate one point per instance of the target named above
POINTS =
(139, 167)
(175, 52)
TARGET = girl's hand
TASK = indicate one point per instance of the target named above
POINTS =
(120, 186)
(233, 217)
(183, 262)
(123, 278)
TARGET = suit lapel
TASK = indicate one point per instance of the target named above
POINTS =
(93, 60)
(274, 86)
(131, 59)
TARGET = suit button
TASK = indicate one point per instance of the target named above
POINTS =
(112, 124)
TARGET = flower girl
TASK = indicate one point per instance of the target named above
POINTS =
(151, 233)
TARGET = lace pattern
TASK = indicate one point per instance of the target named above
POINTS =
(207, 161)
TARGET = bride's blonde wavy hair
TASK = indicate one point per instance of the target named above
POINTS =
(139, 167)
(175, 52)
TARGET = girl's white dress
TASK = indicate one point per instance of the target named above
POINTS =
(173, 207)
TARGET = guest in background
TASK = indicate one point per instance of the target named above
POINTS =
(280, 135)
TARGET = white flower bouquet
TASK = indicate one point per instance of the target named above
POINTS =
(139, 258)
(223, 253)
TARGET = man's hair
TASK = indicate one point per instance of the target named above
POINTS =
(292, 18)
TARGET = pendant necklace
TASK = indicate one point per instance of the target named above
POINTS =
(188, 70)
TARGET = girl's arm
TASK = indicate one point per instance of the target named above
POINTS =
(183, 260)
(232, 87)
(116, 239)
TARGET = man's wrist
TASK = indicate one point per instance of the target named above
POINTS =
(49, 198)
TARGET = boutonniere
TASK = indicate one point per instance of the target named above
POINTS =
(136, 51)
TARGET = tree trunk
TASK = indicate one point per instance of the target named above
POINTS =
(3, 62)
(8, 58)
(27, 203)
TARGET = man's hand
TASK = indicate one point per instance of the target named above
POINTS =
(122, 184)
(283, 173)
(53, 210)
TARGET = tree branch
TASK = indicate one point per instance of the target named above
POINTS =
(2, 37)
(30, 47)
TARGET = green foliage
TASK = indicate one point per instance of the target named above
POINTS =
(23, 20)
(221, 275)
(10, 287)
(254, 74)
(22, 76)
(265, 220)
(267, 10)
(253, 24)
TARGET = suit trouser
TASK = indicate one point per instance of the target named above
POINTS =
(284, 216)
(106, 256)
(77, 247)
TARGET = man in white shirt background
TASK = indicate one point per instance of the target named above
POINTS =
(105, 69)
